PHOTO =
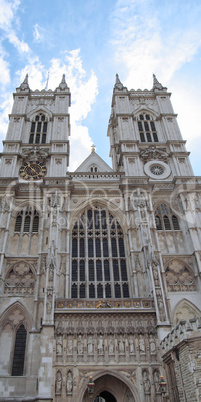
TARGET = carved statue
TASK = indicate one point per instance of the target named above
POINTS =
(69, 383)
(59, 346)
(152, 344)
(90, 345)
(111, 346)
(80, 346)
(100, 345)
(146, 382)
(58, 383)
(70, 346)
(156, 381)
(121, 345)
(131, 344)
(141, 344)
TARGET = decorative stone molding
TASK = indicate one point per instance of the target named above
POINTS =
(184, 330)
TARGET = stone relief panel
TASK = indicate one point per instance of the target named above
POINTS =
(20, 279)
(103, 340)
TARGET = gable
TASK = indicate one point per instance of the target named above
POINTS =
(94, 163)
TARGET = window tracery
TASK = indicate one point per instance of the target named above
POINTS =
(27, 221)
(38, 130)
(98, 267)
(20, 279)
(147, 128)
(165, 219)
(179, 277)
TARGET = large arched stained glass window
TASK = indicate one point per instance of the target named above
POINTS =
(98, 268)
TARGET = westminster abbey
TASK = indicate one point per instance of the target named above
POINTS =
(100, 268)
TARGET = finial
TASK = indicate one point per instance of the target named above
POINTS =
(63, 84)
(157, 84)
(118, 84)
(93, 149)
(24, 86)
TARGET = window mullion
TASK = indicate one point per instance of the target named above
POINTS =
(110, 257)
(86, 255)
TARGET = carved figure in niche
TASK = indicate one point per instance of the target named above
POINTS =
(121, 345)
(70, 346)
(69, 383)
(152, 344)
(161, 309)
(90, 345)
(80, 345)
(49, 302)
(131, 344)
(155, 275)
(146, 382)
(58, 383)
(111, 346)
(100, 345)
(141, 344)
(59, 346)
(156, 381)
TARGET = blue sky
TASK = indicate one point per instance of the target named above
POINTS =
(92, 40)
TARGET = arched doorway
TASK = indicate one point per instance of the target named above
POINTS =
(105, 396)
(109, 388)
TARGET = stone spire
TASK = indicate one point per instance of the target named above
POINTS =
(118, 84)
(157, 84)
(63, 84)
(24, 86)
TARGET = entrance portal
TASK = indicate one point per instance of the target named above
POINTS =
(105, 396)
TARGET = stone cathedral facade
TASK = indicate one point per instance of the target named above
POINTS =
(99, 268)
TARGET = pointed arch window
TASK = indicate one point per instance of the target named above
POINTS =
(38, 130)
(19, 351)
(147, 129)
(27, 221)
(165, 219)
(98, 257)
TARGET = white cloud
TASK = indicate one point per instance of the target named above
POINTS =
(8, 23)
(38, 33)
(143, 47)
(84, 90)
(5, 73)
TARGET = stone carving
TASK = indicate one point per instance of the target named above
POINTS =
(90, 345)
(34, 154)
(20, 279)
(146, 382)
(69, 383)
(152, 153)
(111, 346)
(80, 345)
(58, 383)
(59, 346)
(70, 346)
(152, 344)
(100, 345)
(141, 344)
(49, 301)
(156, 381)
(131, 345)
(121, 344)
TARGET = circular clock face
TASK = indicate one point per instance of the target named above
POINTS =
(32, 170)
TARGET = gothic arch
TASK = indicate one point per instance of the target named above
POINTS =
(142, 109)
(184, 310)
(24, 204)
(118, 385)
(39, 109)
(16, 314)
(110, 206)
(20, 276)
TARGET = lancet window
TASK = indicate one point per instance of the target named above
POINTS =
(98, 267)
(165, 219)
(38, 130)
(147, 129)
(27, 221)
(19, 351)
